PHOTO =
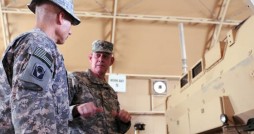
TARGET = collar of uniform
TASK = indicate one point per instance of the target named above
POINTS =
(38, 30)
(94, 79)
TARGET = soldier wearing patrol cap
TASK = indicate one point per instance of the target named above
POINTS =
(66, 5)
(97, 109)
(33, 81)
(102, 46)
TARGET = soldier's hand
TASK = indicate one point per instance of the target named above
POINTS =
(123, 115)
(88, 109)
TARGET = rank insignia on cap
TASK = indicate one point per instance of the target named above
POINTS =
(38, 71)
(44, 56)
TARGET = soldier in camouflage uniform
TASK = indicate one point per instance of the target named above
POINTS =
(33, 81)
(94, 99)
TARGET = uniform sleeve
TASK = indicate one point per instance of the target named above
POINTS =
(71, 86)
(72, 89)
(123, 127)
(5, 110)
(32, 102)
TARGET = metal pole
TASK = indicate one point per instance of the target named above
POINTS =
(3, 17)
(136, 131)
(113, 30)
(183, 49)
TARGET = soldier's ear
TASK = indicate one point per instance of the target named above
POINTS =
(90, 57)
(112, 60)
(60, 17)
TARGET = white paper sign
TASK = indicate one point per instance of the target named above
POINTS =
(117, 82)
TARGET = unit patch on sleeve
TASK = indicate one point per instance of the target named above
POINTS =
(38, 70)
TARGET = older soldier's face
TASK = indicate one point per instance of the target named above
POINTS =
(100, 62)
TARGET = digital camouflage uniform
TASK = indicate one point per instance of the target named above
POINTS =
(84, 87)
(33, 87)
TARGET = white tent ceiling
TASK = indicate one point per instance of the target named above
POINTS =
(143, 31)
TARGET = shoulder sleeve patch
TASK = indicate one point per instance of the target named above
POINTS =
(38, 69)
(43, 56)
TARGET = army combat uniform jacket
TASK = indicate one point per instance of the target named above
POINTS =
(33, 87)
(84, 87)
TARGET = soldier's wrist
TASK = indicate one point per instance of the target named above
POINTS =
(75, 112)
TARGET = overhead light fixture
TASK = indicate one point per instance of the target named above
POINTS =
(250, 4)
(224, 119)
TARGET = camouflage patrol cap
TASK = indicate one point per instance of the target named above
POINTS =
(102, 46)
(66, 5)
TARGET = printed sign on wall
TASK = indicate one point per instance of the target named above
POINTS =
(117, 82)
